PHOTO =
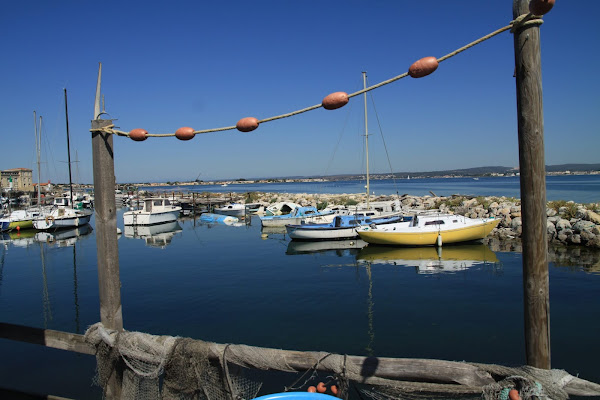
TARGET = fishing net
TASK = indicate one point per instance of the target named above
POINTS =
(134, 365)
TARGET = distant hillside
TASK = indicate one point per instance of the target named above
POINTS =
(573, 167)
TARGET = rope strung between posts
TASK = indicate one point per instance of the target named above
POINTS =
(520, 22)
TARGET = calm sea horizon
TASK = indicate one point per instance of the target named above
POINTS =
(577, 188)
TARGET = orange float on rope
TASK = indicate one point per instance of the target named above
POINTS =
(247, 124)
(185, 133)
(312, 389)
(423, 67)
(335, 100)
(514, 394)
(321, 388)
(334, 389)
(540, 7)
(138, 134)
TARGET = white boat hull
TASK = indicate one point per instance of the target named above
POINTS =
(62, 222)
(140, 217)
(305, 233)
(281, 221)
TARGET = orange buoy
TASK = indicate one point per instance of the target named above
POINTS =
(514, 394)
(540, 7)
(335, 100)
(334, 389)
(185, 133)
(312, 389)
(423, 67)
(321, 388)
(138, 134)
(247, 124)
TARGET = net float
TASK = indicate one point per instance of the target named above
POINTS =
(335, 100)
(321, 388)
(423, 67)
(312, 389)
(247, 124)
(185, 133)
(138, 134)
(540, 7)
(513, 394)
(334, 389)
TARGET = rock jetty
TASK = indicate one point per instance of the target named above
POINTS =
(568, 223)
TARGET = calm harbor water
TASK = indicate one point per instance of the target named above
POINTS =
(229, 284)
(577, 188)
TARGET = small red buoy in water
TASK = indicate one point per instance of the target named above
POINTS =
(185, 133)
(138, 134)
(312, 389)
(423, 67)
(247, 124)
(321, 388)
(514, 394)
(334, 389)
(540, 7)
(335, 100)
(18, 228)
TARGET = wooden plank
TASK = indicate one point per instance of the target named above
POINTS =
(533, 190)
(46, 337)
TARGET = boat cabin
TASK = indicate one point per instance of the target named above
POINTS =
(156, 204)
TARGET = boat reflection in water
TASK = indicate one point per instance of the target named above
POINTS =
(429, 260)
(18, 239)
(64, 237)
(340, 247)
(155, 235)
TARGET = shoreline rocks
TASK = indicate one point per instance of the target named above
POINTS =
(568, 223)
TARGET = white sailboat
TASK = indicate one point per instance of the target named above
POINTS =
(64, 216)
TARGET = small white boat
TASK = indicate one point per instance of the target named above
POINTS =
(429, 230)
(281, 208)
(61, 218)
(155, 210)
(298, 216)
(342, 227)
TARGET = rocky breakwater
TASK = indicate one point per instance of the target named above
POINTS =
(568, 223)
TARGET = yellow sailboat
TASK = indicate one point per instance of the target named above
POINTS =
(429, 230)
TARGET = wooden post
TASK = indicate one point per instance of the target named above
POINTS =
(533, 190)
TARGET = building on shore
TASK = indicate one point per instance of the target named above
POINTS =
(17, 179)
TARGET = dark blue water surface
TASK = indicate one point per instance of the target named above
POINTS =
(229, 284)
(577, 188)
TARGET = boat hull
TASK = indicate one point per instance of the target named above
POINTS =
(280, 220)
(403, 236)
(139, 217)
(303, 232)
(51, 223)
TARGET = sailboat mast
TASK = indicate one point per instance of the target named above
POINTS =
(69, 150)
(366, 138)
(38, 145)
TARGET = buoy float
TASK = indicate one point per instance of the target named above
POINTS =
(423, 67)
(312, 389)
(514, 394)
(439, 240)
(247, 124)
(540, 7)
(321, 388)
(335, 100)
(264, 236)
(138, 134)
(334, 389)
(185, 133)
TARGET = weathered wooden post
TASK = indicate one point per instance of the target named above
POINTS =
(106, 219)
(533, 189)
(109, 281)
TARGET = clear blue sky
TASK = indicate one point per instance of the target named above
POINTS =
(208, 64)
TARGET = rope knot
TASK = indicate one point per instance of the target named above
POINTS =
(525, 20)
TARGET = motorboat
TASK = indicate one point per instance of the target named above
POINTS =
(155, 210)
(429, 230)
(342, 227)
(307, 214)
(19, 219)
(281, 208)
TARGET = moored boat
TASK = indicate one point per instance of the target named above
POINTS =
(61, 218)
(428, 230)
(307, 214)
(342, 227)
(155, 210)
